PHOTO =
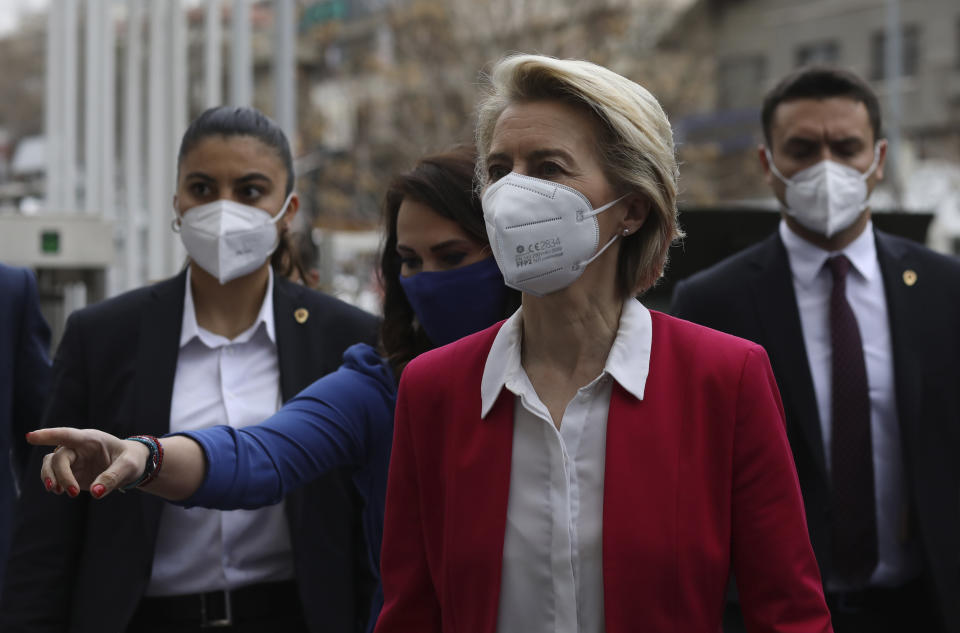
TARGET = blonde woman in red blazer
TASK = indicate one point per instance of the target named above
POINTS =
(589, 465)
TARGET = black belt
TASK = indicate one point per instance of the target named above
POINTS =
(216, 609)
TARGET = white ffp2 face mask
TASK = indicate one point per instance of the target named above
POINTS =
(543, 234)
(228, 239)
(827, 197)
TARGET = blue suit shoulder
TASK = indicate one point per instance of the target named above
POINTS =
(14, 282)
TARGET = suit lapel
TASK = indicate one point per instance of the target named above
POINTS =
(159, 345)
(157, 355)
(293, 348)
(901, 308)
(779, 318)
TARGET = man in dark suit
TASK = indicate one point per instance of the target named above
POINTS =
(24, 378)
(863, 332)
(83, 565)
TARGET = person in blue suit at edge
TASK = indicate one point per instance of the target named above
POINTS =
(24, 379)
(440, 283)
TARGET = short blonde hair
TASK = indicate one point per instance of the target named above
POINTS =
(636, 145)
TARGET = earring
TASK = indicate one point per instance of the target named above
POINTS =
(626, 232)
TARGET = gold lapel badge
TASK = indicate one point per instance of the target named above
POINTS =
(301, 314)
(909, 277)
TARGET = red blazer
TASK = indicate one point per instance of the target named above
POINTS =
(699, 483)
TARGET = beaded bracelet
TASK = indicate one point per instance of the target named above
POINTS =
(154, 460)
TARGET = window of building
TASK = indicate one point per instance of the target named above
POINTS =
(823, 52)
(909, 54)
(741, 81)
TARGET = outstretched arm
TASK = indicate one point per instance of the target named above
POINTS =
(326, 426)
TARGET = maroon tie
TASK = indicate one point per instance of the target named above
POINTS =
(854, 505)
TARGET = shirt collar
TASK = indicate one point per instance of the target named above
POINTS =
(807, 260)
(190, 330)
(628, 361)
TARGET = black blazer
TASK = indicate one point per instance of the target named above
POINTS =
(751, 295)
(82, 565)
(24, 378)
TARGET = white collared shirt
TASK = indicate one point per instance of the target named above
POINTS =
(237, 383)
(552, 576)
(813, 284)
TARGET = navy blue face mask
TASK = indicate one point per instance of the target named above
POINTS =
(451, 304)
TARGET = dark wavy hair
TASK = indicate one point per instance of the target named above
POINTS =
(230, 121)
(443, 182)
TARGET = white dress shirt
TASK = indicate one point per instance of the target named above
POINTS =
(552, 576)
(237, 383)
(813, 284)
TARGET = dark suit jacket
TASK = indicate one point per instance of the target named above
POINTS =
(83, 565)
(751, 295)
(24, 379)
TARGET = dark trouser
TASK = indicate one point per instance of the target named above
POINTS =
(874, 610)
(273, 607)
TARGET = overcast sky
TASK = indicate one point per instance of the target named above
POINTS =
(10, 11)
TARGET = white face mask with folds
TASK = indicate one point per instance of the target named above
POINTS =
(827, 197)
(228, 239)
(543, 234)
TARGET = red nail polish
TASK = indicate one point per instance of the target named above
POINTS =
(48, 483)
(57, 489)
(98, 490)
(73, 491)
(27, 435)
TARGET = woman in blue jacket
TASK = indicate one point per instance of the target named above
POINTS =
(440, 282)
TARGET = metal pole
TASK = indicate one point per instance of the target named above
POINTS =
(53, 112)
(68, 154)
(107, 140)
(241, 69)
(178, 112)
(285, 68)
(158, 192)
(108, 113)
(212, 55)
(133, 147)
(93, 93)
(893, 62)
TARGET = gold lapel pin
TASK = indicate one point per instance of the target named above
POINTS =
(301, 315)
(909, 277)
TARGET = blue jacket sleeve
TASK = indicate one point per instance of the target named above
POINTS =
(328, 425)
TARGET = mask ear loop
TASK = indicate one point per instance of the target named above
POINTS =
(175, 222)
(590, 214)
(876, 161)
(584, 264)
(773, 168)
(283, 209)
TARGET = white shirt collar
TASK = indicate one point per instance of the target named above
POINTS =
(190, 330)
(807, 260)
(628, 361)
